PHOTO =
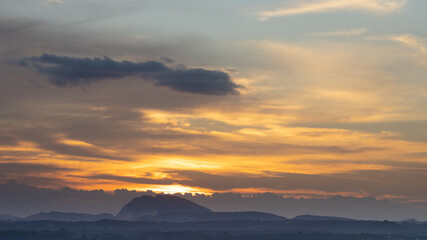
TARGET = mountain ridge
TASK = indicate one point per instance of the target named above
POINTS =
(146, 205)
(160, 208)
(68, 216)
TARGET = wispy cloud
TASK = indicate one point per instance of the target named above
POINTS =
(351, 32)
(334, 5)
(411, 41)
(407, 40)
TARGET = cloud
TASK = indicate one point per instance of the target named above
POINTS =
(8, 168)
(139, 180)
(334, 5)
(30, 168)
(53, 2)
(76, 71)
(408, 130)
(46, 139)
(199, 81)
(7, 140)
(221, 182)
(70, 71)
(352, 32)
(411, 41)
(369, 182)
(278, 181)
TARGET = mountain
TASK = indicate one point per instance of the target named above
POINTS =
(168, 208)
(68, 217)
(320, 218)
(212, 216)
(22, 200)
(145, 206)
(5, 217)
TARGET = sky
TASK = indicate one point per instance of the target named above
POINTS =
(308, 98)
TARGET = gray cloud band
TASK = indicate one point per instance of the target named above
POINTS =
(69, 71)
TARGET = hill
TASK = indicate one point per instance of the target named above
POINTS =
(67, 217)
(320, 218)
(5, 217)
(146, 206)
(167, 208)
(212, 216)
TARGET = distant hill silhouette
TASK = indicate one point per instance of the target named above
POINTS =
(167, 208)
(22, 200)
(161, 208)
(321, 218)
(146, 206)
(212, 216)
(68, 217)
(5, 217)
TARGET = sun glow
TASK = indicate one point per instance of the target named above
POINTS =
(175, 188)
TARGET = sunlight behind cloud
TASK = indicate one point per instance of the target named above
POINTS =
(175, 188)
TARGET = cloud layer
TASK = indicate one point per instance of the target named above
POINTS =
(69, 71)
(335, 97)
(333, 5)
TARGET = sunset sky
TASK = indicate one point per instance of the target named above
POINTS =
(305, 98)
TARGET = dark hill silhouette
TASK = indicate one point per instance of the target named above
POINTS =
(22, 200)
(212, 216)
(321, 218)
(145, 206)
(167, 208)
(68, 217)
(5, 217)
(161, 208)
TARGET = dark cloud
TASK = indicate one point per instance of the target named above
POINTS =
(199, 81)
(8, 168)
(7, 140)
(70, 71)
(398, 181)
(373, 182)
(407, 130)
(37, 174)
(217, 182)
(383, 162)
(275, 148)
(279, 181)
(139, 180)
(66, 71)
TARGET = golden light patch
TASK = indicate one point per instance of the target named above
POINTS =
(76, 143)
(21, 146)
(175, 188)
